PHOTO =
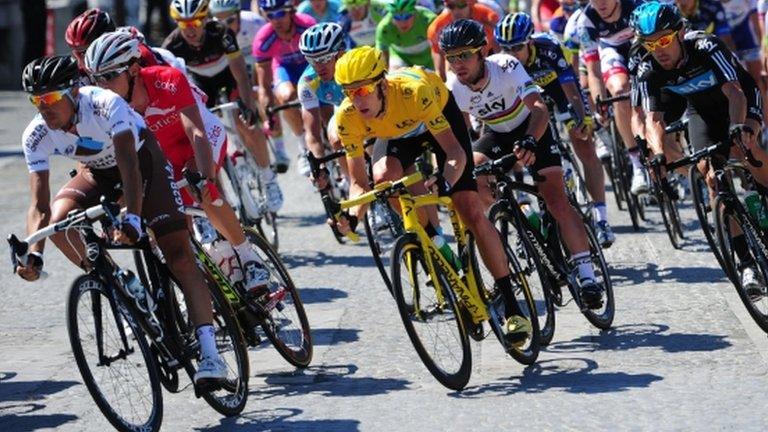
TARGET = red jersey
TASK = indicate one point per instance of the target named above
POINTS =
(148, 58)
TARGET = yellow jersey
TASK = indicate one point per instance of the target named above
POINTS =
(415, 99)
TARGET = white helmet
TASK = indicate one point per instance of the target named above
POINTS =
(320, 39)
(221, 6)
(133, 31)
(111, 51)
(189, 9)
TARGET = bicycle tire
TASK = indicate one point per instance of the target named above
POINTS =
(704, 213)
(668, 210)
(231, 398)
(614, 169)
(408, 249)
(89, 284)
(631, 199)
(376, 252)
(754, 241)
(301, 355)
(602, 320)
(507, 225)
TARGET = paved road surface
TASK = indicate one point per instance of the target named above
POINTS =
(683, 354)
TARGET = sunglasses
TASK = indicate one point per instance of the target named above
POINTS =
(104, 78)
(228, 20)
(327, 58)
(361, 91)
(402, 17)
(194, 23)
(277, 14)
(455, 6)
(461, 56)
(49, 98)
(514, 48)
(661, 42)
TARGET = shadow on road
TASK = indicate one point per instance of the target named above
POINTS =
(279, 419)
(18, 415)
(637, 273)
(572, 375)
(631, 336)
(325, 380)
(321, 295)
(334, 336)
(320, 259)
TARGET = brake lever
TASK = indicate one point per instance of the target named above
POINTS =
(334, 208)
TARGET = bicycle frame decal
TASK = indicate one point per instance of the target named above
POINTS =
(218, 276)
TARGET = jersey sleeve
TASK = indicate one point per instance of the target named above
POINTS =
(118, 116)
(565, 73)
(649, 89)
(515, 75)
(260, 52)
(37, 145)
(307, 89)
(229, 43)
(431, 110)
(722, 61)
(433, 32)
(349, 128)
(176, 85)
(382, 42)
(587, 34)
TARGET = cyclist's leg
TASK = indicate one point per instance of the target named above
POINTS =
(490, 146)
(285, 91)
(593, 168)
(79, 192)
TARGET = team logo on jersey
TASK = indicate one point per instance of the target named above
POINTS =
(405, 124)
(155, 111)
(495, 106)
(87, 146)
(475, 99)
(696, 84)
(37, 135)
(438, 122)
(166, 85)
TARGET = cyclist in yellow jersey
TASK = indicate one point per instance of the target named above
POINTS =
(409, 108)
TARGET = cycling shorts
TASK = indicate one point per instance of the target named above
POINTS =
(212, 85)
(162, 207)
(406, 150)
(614, 60)
(219, 157)
(746, 40)
(495, 145)
(287, 73)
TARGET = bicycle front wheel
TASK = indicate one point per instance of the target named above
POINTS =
(706, 217)
(429, 311)
(601, 318)
(286, 323)
(114, 358)
(671, 218)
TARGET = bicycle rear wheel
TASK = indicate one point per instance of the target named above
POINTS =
(285, 323)
(601, 318)
(432, 322)
(632, 201)
(705, 215)
(757, 305)
(671, 218)
(114, 358)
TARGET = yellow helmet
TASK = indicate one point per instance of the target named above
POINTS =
(360, 64)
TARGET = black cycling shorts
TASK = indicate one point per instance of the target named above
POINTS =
(406, 150)
(211, 86)
(496, 145)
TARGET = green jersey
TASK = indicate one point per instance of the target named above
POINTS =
(411, 47)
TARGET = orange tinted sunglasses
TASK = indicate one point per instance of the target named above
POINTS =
(661, 42)
(185, 24)
(361, 91)
(49, 98)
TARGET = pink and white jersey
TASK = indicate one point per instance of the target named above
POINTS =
(268, 46)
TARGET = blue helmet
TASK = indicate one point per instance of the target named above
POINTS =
(514, 29)
(271, 5)
(653, 17)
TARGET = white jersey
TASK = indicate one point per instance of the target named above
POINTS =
(499, 105)
(172, 61)
(101, 114)
(363, 32)
(250, 23)
(571, 31)
(736, 11)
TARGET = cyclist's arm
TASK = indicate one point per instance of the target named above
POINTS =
(195, 130)
(654, 131)
(264, 76)
(595, 80)
(737, 101)
(455, 159)
(539, 117)
(39, 213)
(240, 72)
(438, 59)
(574, 97)
(312, 120)
(358, 183)
(128, 164)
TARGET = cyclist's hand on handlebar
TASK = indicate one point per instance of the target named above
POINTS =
(345, 223)
(524, 150)
(32, 270)
(128, 231)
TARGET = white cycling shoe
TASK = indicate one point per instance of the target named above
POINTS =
(211, 369)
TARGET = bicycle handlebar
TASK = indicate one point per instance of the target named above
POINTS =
(271, 110)
(496, 167)
(610, 100)
(677, 126)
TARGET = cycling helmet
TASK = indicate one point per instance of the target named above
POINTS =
(48, 74)
(111, 51)
(400, 6)
(223, 6)
(514, 29)
(323, 38)
(273, 5)
(360, 64)
(189, 9)
(133, 31)
(463, 33)
(87, 26)
(652, 17)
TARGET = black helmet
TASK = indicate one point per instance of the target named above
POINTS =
(49, 74)
(463, 33)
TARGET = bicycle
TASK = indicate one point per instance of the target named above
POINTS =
(430, 292)
(543, 250)
(281, 316)
(118, 324)
(619, 170)
(731, 212)
(240, 181)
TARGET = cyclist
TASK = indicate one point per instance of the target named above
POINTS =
(543, 12)
(279, 65)
(189, 135)
(402, 35)
(605, 40)
(110, 141)
(319, 94)
(560, 18)
(320, 10)
(359, 19)
(245, 24)
(724, 102)
(409, 107)
(460, 9)
(543, 58)
(708, 16)
(498, 91)
(214, 63)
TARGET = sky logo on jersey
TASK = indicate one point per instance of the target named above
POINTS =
(87, 146)
(696, 84)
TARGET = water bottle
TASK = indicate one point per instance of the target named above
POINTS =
(135, 290)
(446, 252)
(756, 208)
(533, 218)
(204, 231)
(222, 253)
